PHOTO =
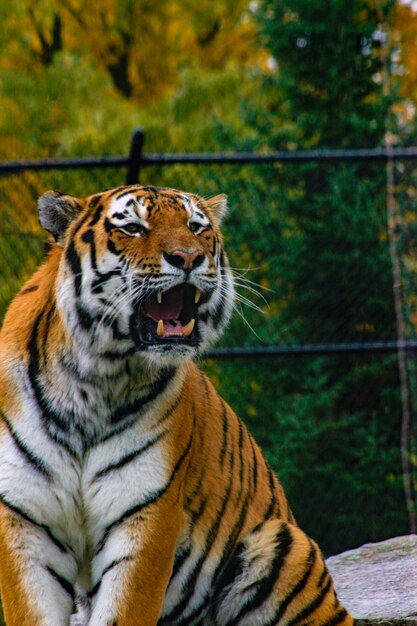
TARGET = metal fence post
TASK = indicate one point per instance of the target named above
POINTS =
(135, 156)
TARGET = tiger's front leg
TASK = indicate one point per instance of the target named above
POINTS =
(132, 567)
(277, 577)
(37, 573)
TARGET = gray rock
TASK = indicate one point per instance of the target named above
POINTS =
(378, 581)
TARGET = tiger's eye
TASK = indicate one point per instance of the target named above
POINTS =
(134, 228)
(194, 226)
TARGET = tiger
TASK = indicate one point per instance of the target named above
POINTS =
(130, 492)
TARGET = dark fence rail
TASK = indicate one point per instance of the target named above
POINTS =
(14, 167)
(137, 159)
(316, 349)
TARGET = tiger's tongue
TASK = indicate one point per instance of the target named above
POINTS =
(173, 327)
(169, 309)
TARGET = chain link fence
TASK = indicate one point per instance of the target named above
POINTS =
(313, 370)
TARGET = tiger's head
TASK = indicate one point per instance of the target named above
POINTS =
(142, 269)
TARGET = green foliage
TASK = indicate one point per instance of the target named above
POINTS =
(333, 443)
(328, 59)
(336, 449)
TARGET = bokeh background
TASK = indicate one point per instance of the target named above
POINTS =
(317, 239)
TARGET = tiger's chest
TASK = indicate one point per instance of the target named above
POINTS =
(79, 497)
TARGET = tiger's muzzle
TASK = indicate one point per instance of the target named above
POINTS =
(169, 317)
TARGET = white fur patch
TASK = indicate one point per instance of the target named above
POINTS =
(128, 209)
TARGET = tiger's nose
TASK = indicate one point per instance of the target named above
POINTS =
(185, 259)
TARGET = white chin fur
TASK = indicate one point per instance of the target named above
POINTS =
(160, 356)
(176, 354)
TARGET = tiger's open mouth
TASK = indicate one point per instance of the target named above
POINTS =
(169, 317)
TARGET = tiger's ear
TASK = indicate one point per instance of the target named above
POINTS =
(217, 207)
(57, 211)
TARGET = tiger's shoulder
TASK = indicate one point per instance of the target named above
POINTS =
(28, 303)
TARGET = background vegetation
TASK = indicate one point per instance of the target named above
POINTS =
(77, 77)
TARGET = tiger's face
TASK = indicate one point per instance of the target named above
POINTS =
(142, 266)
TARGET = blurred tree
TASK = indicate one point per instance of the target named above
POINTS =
(329, 66)
(333, 271)
(140, 45)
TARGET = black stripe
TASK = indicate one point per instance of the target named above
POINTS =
(33, 371)
(48, 415)
(112, 248)
(338, 618)
(93, 203)
(217, 314)
(323, 576)
(65, 584)
(26, 290)
(273, 502)
(114, 356)
(108, 226)
(97, 215)
(179, 560)
(233, 535)
(85, 319)
(27, 518)
(209, 408)
(197, 488)
(225, 432)
(169, 411)
(102, 278)
(80, 223)
(233, 569)
(124, 193)
(94, 590)
(312, 606)
(115, 190)
(254, 464)
(49, 316)
(61, 441)
(117, 430)
(240, 446)
(113, 564)
(73, 258)
(154, 497)
(195, 515)
(156, 388)
(31, 458)
(88, 236)
(266, 584)
(297, 589)
(117, 333)
(213, 250)
(74, 262)
(129, 457)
